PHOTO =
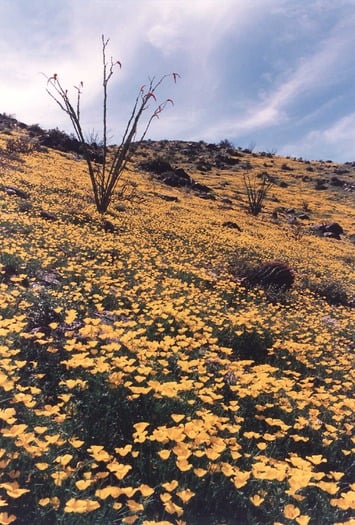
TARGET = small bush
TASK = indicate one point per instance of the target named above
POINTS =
(274, 274)
(57, 139)
(333, 291)
(21, 145)
(24, 206)
(256, 193)
(225, 143)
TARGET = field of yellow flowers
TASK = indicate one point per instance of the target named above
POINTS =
(140, 381)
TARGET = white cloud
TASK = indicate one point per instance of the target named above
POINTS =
(247, 66)
(335, 141)
(321, 70)
(342, 131)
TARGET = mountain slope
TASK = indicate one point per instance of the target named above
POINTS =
(142, 378)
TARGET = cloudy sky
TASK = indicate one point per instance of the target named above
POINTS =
(276, 75)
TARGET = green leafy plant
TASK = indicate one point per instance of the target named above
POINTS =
(104, 176)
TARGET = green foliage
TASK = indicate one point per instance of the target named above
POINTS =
(247, 344)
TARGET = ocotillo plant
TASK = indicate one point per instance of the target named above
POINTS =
(256, 193)
(104, 177)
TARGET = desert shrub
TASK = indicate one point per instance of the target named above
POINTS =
(225, 143)
(274, 274)
(24, 206)
(120, 207)
(35, 129)
(57, 139)
(157, 166)
(22, 145)
(278, 295)
(256, 193)
(286, 167)
(7, 122)
(252, 345)
(334, 292)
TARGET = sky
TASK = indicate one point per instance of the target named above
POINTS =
(272, 75)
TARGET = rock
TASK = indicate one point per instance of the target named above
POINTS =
(286, 167)
(48, 277)
(48, 216)
(180, 172)
(334, 227)
(203, 165)
(335, 181)
(10, 190)
(157, 166)
(303, 216)
(318, 229)
(200, 187)
(341, 171)
(207, 196)
(108, 226)
(169, 198)
(225, 200)
(224, 161)
(349, 187)
(331, 235)
(232, 225)
(176, 178)
(333, 230)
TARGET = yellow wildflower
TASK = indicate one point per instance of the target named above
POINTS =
(81, 505)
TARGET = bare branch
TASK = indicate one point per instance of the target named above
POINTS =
(104, 179)
(256, 195)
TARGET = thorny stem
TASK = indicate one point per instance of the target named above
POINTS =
(256, 196)
(103, 183)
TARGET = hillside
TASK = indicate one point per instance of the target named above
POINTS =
(143, 379)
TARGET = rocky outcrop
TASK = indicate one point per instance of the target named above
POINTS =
(173, 177)
(332, 230)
